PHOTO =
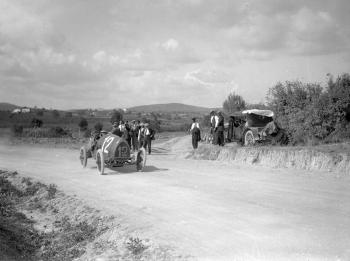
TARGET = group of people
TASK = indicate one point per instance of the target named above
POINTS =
(136, 133)
(216, 129)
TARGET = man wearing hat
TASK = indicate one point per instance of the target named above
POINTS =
(219, 129)
(134, 131)
(196, 133)
(147, 138)
(116, 130)
(213, 119)
(141, 134)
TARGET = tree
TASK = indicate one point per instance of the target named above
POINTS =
(117, 116)
(36, 123)
(98, 126)
(233, 103)
(83, 124)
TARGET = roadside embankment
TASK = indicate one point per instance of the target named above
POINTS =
(332, 158)
(39, 222)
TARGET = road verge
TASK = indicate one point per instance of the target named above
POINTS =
(330, 159)
(40, 222)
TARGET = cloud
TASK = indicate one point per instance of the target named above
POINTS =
(315, 32)
(296, 31)
(170, 45)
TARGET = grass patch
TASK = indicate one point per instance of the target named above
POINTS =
(18, 239)
(69, 241)
(135, 246)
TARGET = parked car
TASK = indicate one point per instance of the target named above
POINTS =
(255, 126)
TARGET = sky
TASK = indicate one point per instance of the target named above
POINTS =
(66, 54)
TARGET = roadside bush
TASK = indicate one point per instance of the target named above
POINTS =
(135, 246)
(312, 114)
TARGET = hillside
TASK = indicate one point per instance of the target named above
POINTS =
(169, 107)
(7, 106)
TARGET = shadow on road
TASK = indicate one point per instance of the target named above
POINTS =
(129, 169)
(160, 151)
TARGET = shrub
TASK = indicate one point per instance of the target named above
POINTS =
(52, 189)
(310, 113)
(57, 132)
(36, 123)
(17, 130)
(83, 124)
(135, 245)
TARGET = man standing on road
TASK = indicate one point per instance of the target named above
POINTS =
(147, 138)
(212, 126)
(141, 134)
(219, 129)
(196, 134)
(134, 130)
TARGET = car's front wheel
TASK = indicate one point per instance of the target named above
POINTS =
(100, 162)
(249, 139)
(83, 156)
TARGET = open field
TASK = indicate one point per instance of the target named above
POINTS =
(206, 210)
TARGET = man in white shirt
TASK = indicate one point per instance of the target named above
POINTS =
(196, 134)
(147, 138)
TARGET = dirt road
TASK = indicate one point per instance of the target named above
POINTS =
(208, 210)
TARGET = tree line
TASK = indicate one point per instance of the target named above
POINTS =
(310, 113)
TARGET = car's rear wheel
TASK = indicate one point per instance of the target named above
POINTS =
(100, 162)
(249, 139)
(140, 159)
(83, 156)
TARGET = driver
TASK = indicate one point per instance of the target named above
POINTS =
(95, 136)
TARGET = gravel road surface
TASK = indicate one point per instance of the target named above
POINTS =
(204, 209)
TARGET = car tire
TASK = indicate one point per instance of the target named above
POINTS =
(141, 159)
(248, 137)
(83, 156)
(100, 162)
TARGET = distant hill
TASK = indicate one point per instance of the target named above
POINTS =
(7, 106)
(169, 107)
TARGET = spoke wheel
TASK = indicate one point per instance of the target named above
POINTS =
(100, 162)
(249, 138)
(83, 156)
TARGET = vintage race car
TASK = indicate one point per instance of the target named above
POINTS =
(252, 126)
(112, 151)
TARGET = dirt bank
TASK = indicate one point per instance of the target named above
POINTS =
(331, 158)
